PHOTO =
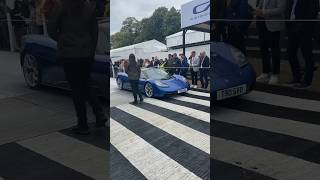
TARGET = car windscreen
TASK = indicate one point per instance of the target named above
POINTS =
(156, 74)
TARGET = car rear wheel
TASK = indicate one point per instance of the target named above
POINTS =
(31, 71)
(120, 83)
(148, 89)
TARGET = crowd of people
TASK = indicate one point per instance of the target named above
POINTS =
(194, 66)
(298, 18)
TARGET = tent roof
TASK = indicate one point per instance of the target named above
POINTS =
(151, 46)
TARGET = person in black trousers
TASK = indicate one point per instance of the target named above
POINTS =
(270, 14)
(73, 25)
(300, 34)
(204, 69)
(133, 70)
(194, 68)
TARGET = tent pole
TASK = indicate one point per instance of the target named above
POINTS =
(184, 41)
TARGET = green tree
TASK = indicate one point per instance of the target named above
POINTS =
(162, 23)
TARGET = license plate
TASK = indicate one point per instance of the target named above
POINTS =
(231, 92)
(182, 90)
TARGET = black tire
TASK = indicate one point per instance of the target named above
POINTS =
(31, 71)
(148, 90)
(120, 84)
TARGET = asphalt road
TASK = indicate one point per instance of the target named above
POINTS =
(35, 137)
(164, 138)
(271, 133)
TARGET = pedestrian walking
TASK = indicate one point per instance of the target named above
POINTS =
(300, 34)
(269, 35)
(204, 69)
(73, 25)
(194, 68)
(133, 70)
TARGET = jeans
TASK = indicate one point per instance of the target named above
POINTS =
(135, 89)
(301, 38)
(194, 77)
(204, 78)
(270, 40)
(77, 72)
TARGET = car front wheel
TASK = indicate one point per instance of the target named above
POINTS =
(148, 89)
(31, 71)
(119, 83)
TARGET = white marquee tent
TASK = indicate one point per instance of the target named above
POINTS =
(141, 50)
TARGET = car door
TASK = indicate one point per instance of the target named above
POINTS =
(142, 81)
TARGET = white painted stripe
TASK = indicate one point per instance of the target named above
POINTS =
(150, 161)
(197, 93)
(82, 157)
(272, 124)
(180, 109)
(268, 163)
(184, 133)
(283, 101)
(193, 100)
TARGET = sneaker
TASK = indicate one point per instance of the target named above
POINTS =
(274, 79)
(302, 86)
(195, 86)
(264, 78)
(135, 102)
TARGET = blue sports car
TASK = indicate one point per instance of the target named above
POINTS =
(232, 74)
(155, 82)
(40, 66)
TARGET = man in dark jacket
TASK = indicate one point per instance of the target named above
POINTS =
(300, 34)
(73, 25)
(204, 69)
(184, 65)
(236, 12)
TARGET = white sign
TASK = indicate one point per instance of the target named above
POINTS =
(195, 12)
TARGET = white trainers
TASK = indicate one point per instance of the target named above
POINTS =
(274, 79)
(264, 78)
(195, 86)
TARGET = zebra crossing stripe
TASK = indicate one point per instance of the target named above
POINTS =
(272, 124)
(82, 157)
(193, 100)
(186, 134)
(150, 161)
(265, 162)
(180, 109)
(283, 101)
(197, 93)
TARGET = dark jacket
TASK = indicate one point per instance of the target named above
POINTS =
(305, 9)
(73, 25)
(185, 65)
(205, 63)
(238, 10)
(133, 71)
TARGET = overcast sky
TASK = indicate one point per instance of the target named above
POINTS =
(121, 9)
